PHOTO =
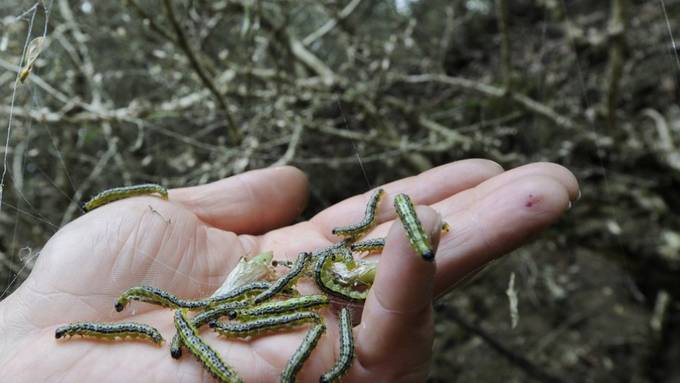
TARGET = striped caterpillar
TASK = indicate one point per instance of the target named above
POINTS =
(115, 194)
(110, 331)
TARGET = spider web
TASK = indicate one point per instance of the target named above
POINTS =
(26, 255)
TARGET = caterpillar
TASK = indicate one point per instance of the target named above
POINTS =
(302, 353)
(288, 279)
(278, 307)
(157, 296)
(419, 240)
(325, 278)
(337, 250)
(244, 291)
(115, 194)
(160, 297)
(110, 331)
(358, 229)
(202, 351)
(257, 327)
(376, 245)
(373, 245)
(201, 319)
(346, 355)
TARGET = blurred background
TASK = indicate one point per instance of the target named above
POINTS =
(360, 92)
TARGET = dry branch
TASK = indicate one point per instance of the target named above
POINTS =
(526, 102)
(330, 24)
(202, 73)
(521, 361)
(502, 17)
(617, 41)
(292, 146)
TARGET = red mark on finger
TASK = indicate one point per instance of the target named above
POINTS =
(532, 200)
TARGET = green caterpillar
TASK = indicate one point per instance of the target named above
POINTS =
(419, 240)
(202, 351)
(115, 194)
(358, 229)
(346, 355)
(110, 331)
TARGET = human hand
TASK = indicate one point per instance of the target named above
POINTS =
(188, 245)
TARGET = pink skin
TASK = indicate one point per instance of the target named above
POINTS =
(189, 244)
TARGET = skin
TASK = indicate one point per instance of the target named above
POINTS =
(189, 244)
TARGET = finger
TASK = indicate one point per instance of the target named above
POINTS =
(252, 202)
(426, 188)
(548, 169)
(495, 222)
(464, 199)
(396, 326)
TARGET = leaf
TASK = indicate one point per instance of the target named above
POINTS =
(32, 52)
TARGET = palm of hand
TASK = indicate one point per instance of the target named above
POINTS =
(189, 244)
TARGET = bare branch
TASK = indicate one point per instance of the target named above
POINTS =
(86, 66)
(521, 361)
(85, 184)
(527, 103)
(506, 63)
(617, 37)
(152, 23)
(292, 146)
(332, 23)
(206, 78)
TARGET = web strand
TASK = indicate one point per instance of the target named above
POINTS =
(33, 12)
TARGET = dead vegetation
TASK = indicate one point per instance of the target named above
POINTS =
(185, 92)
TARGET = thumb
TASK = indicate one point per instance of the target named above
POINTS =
(396, 329)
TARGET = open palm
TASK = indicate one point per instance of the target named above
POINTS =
(189, 244)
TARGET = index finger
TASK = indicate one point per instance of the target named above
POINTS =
(248, 203)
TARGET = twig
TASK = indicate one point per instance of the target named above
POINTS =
(569, 323)
(98, 169)
(183, 43)
(332, 23)
(404, 146)
(447, 34)
(506, 63)
(666, 145)
(658, 319)
(117, 115)
(617, 38)
(152, 23)
(529, 367)
(451, 135)
(311, 61)
(665, 139)
(295, 46)
(491, 91)
(292, 146)
(120, 161)
(86, 66)
(661, 342)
